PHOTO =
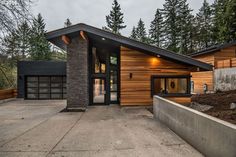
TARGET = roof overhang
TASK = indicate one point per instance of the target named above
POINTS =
(212, 49)
(72, 31)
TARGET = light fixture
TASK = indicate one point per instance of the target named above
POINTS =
(103, 39)
(158, 56)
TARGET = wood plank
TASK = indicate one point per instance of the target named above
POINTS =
(137, 90)
(200, 78)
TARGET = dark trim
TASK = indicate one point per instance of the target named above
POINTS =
(54, 37)
(212, 49)
(188, 77)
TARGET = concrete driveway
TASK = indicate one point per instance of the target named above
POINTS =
(38, 128)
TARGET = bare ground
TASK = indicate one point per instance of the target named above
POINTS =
(221, 104)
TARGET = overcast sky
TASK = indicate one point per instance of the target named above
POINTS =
(93, 12)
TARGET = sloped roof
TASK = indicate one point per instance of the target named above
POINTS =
(55, 38)
(212, 49)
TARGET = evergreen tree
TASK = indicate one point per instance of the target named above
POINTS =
(141, 34)
(115, 18)
(40, 48)
(67, 23)
(171, 25)
(219, 23)
(204, 19)
(133, 34)
(22, 36)
(156, 31)
(230, 21)
(185, 26)
(16, 45)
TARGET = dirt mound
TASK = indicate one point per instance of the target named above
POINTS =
(221, 104)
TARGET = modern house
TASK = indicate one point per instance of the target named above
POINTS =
(219, 56)
(105, 68)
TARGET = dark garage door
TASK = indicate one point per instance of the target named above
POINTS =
(45, 87)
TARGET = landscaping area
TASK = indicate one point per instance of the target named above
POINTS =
(219, 105)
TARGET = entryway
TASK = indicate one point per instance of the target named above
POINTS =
(104, 75)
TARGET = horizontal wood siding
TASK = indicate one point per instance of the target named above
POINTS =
(137, 90)
(200, 78)
(180, 100)
(226, 53)
(207, 58)
(8, 93)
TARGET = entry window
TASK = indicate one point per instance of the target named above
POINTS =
(99, 61)
(170, 85)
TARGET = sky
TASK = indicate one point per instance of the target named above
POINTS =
(93, 12)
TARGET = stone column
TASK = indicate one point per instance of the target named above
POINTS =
(77, 74)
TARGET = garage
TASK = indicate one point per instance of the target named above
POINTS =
(45, 87)
(41, 80)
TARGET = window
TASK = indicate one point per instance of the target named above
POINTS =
(170, 85)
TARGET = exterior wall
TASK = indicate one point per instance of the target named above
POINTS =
(137, 90)
(77, 73)
(35, 68)
(225, 79)
(201, 78)
(209, 135)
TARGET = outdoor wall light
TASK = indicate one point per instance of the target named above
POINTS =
(158, 56)
(130, 75)
(103, 39)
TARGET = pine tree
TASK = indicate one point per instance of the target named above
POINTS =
(156, 31)
(67, 23)
(133, 34)
(141, 33)
(218, 19)
(230, 21)
(115, 18)
(185, 27)
(40, 48)
(22, 35)
(171, 25)
(204, 19)
(16, 45)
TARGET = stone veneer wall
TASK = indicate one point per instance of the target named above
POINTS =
(77, 73)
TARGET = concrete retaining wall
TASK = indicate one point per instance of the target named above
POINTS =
(211, 136)
(225, 79)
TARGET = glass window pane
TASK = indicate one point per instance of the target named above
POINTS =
(44, 79)
(159, 86)
(32, 78)
(44, 96)
(176, 85)
(64, 90)
(44, 90)
(113, 60)
(56, 79)
(56, 96)
(32, 90)
(32, 84)
(113, 96)
(32, 96)
(56, 84)
(99, 60)
(56, 90)
(44, 84)
(98, 91)
(113, 80)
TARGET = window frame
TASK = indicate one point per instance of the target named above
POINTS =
(188, 77)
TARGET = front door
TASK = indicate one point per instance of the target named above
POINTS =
(104, 80)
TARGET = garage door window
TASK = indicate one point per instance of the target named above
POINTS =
(46, 87)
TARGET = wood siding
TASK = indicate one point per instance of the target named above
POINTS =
(7, 93)
(223, 58)
(200, 78)
(137, 90)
